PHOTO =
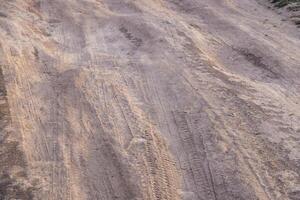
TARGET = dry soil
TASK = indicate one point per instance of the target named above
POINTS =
(148, 100)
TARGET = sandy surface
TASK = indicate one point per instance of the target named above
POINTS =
(148, 100)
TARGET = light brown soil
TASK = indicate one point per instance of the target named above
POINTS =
(148, 100)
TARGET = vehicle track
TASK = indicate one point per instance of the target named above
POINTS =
(148, 100)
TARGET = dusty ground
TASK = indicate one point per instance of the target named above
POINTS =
(148, 100)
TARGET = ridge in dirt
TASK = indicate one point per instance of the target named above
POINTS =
(149, 100)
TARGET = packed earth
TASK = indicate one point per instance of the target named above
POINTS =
(149, 100)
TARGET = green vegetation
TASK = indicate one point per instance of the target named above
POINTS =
(293, 7)
(282, 3)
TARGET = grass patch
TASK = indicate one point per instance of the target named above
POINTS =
(282, 3)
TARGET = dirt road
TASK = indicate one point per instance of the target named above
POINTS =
(148, 100)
